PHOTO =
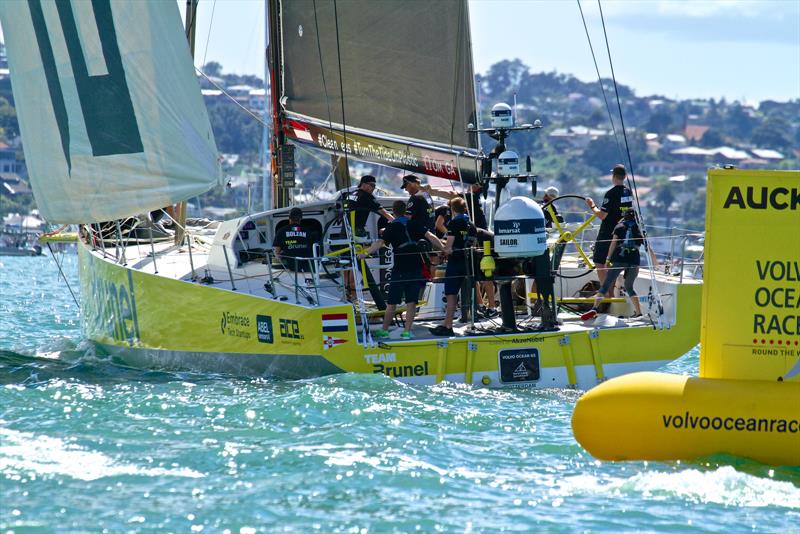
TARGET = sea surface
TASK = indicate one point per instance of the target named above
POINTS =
(87, 445)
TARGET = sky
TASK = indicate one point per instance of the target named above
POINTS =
(746, 50)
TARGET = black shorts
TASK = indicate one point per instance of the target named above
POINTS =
(601, 247)
(404, 284)
(454, 276)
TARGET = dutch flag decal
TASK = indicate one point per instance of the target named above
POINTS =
(334, 322)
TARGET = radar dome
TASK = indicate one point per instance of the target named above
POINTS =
(519, 229)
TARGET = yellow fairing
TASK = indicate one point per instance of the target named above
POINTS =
(657, 416)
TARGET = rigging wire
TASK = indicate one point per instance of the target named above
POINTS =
(63, 276)
(341, 88)
(210, 25)
(322, 68)
(619, 108)
(600, 81)
(648, 248)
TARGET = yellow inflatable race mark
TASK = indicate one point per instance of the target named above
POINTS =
(747, 399)
(658, 416)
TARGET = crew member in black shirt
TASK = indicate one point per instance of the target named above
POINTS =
(365, 204)
(402, 235)
(441, 217)
(461, 235)
(475, 208)
(418, 209)
(623, 258)
(616, 202)
(292, 243)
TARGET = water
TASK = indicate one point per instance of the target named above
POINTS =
(89, 446)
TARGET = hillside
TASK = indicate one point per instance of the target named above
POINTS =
(671, 142)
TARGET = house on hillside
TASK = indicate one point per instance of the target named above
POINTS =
(767, 154)
(695, 132)
(673, 141)
(577, 137)
(8, 159)
(12, 185)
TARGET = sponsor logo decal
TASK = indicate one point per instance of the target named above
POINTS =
(334, 322)
(290, 329)
(401, 371)
(235, 325)
(383, 357)
(328, 342)
(264, 329)
(114, 311)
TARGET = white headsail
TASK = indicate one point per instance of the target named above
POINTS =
(112, 119)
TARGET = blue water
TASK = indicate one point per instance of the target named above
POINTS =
(90, 446)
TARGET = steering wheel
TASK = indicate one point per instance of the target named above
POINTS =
(569, 236)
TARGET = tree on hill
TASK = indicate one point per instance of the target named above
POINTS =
(9, 128)
(775, 132)
(660, 122)
(738, 122)
(212, 68)
(712, 138)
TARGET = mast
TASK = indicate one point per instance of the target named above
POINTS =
(191, 18)
(282, 153)
(266, 162)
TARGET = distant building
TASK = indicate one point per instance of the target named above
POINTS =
(13, 185)
(8, 159)
(575, 136)
(695, 132)
(673, 141)
(768, 154)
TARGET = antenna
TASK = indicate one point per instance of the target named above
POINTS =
(515, 108)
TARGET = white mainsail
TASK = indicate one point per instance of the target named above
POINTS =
(110, 111)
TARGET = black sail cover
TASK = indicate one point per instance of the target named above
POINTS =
(406, 92)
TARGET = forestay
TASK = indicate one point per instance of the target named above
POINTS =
(406, 84)
(110, 110)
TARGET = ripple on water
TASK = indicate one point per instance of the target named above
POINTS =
(87, 445)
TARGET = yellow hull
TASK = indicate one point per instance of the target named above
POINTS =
(657, 416)
(153, 321)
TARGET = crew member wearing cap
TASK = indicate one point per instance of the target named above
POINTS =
(417, 208)
(616, 202)
(365, 204)
(403, 235)
(292, 243)
(550, 194)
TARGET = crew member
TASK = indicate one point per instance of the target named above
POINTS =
(441, 217)
(475, 209)
(292, 243)
(461, 235)
(616, 201)
(418, 208)
(365, 204)
(550, 194)
(623, 258)
(402, 234)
